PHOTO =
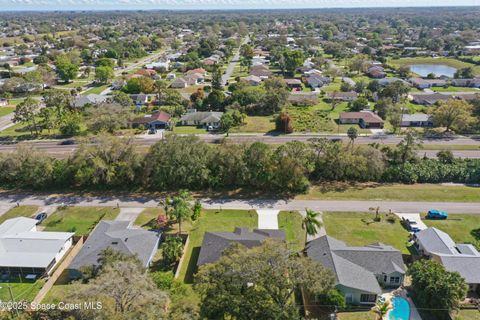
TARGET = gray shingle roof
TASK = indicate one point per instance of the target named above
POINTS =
(356, 267)
(214, 243)
(201, 116)
(434, 240)
(416, 117)
(462, 258)
(118, 236)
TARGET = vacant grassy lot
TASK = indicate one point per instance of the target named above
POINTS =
(6, 110)
(358, 229)
(291, 222)
(213, 220)
(256, 124)
(22, 211)
(80, 220)
(463, 228)
(394, 192)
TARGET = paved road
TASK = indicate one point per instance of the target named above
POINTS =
(6, 121)
(231, 67)
(7, 199)
(55, 148)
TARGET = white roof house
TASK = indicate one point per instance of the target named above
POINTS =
(24, 249)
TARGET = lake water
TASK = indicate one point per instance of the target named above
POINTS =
(424, 70)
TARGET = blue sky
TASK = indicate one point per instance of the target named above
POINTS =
(217, 4)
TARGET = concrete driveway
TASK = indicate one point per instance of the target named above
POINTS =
(129, 214)
(267, 219)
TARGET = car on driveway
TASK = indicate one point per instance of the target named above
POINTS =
(437, 215)
(40, 217)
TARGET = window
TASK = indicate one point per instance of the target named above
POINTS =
(349, 298)
(394, 280)
(368, 298)
(385, 278)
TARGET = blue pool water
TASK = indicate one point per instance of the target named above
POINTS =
(401, 309)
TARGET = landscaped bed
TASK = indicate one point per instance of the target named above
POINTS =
(80, 220)
(21, 211)
(359, 229)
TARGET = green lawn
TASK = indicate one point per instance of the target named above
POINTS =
(463, 228)
(22, 211)
(393, 192)
(80, 220)
(213, 220)
(6, 110)
(147, 220)
(291, 222)
(358, 229)
(189, 130)
(96, 90)
(22, 289)
(256, 124)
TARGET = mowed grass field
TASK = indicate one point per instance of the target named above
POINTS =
(358, 229)
(394, 192)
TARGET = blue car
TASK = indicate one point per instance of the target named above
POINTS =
(436, 214)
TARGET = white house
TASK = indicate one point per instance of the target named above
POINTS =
(25, 250)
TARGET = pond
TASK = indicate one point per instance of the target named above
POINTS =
(424, 70)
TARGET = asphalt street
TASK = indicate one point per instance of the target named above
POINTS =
(9, 199)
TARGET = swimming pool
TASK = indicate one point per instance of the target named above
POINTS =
(401, 309)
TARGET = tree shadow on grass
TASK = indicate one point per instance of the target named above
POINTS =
(475, 233)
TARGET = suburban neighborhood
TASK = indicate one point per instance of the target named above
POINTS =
(243, 162)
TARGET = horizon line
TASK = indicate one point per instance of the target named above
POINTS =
(238, 9)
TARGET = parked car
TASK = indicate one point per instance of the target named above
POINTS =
(40, 217)
(411, 225)
(152, 131)
(437, 214)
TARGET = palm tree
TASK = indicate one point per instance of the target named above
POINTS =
(311, 223)
(178, 207)
(381, 309)
(352, 134)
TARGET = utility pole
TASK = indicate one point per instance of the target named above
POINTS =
(12, 299)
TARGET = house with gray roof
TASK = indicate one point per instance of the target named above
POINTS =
(462, 258)
(202, 118)
(90, 99)
(360, 272)
(25, 250)
(214, 243)
(119, 236)
(416, 120)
